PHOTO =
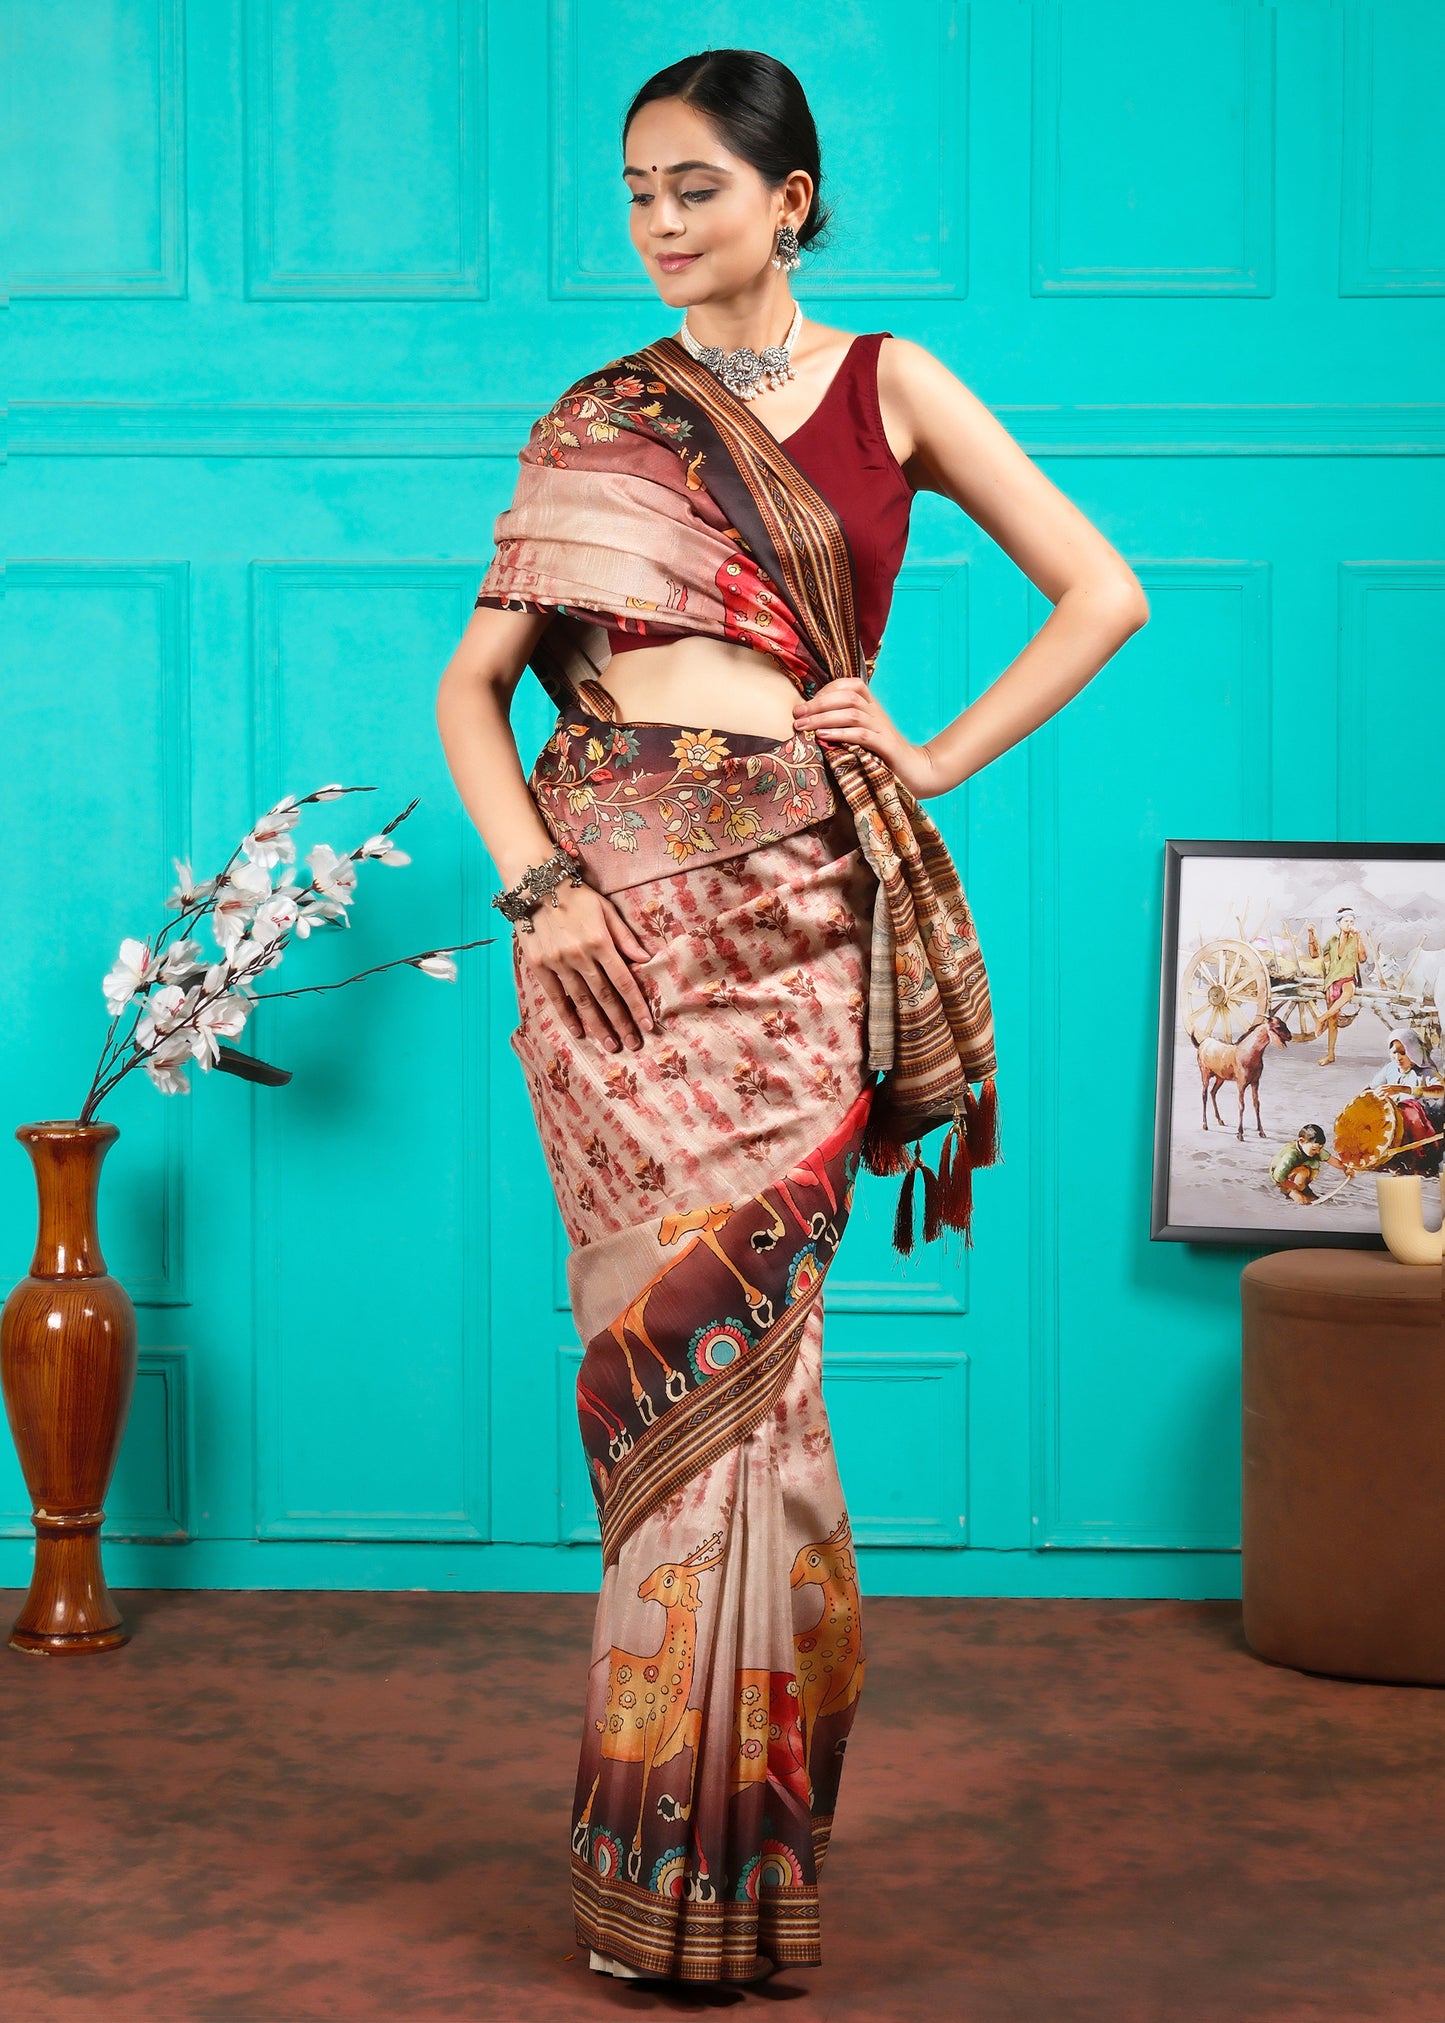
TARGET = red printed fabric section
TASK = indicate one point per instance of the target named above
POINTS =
(758, 975)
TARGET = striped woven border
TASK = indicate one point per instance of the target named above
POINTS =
(693, 1941)
(811, 547)
(693, 1434)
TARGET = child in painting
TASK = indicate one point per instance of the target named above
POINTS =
(1296, 1167)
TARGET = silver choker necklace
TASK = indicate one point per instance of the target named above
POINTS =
(746, 372)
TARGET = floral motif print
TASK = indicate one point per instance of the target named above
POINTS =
(656, 794)
(732, 992)
(600, 412)
(698, 753)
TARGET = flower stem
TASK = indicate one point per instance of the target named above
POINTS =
(302, 989)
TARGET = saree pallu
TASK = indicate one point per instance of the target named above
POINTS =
(705, 1182)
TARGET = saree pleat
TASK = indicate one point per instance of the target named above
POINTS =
(705, 1182)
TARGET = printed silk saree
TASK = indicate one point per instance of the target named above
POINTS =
(805, 930)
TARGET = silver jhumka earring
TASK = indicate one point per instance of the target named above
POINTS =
(786, 253)
(745, 371)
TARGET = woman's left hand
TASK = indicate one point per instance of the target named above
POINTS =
(846, 711)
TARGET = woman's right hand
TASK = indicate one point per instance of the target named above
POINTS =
(581, 948)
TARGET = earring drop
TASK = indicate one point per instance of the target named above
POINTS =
(786, 253)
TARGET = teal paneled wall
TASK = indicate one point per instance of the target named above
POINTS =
(288, 280)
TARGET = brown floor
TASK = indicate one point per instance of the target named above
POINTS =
(274, 1807)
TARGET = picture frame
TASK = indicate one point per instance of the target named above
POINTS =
(1246, 947)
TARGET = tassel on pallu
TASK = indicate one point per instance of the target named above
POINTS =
(971, 1140)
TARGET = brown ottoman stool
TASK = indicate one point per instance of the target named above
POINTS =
(1343, 1497)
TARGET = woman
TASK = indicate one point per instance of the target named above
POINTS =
(744, 966)
(1411, 1066)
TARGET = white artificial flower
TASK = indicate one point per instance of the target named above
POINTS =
(274, 916)
(241, 892)
(180, 959)
(383, 850)
(187, 892)
(270, 841)
(314, 911)
(335, 877)
(329, 792)
(222, 1019)
(223, 975)
(164, 1066)
(166, 1010)
(252, 957)
(134, 966)
(443, 966)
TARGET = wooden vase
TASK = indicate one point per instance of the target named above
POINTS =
(67, 1365)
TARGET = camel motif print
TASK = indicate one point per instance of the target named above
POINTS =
(710, 1368)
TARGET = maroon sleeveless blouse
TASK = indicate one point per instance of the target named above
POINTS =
(842, 450)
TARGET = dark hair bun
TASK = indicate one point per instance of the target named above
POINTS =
(760, 110)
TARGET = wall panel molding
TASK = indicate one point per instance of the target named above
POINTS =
(1056, 269)
(1364, 137)
(92, 428)
(166, 586)
(277, 1516)
(1054, 992)
(157, 1508)
(1364, 672)
(271, 151)
(161, 178)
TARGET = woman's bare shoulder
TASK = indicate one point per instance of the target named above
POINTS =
(913, 375)
(936, 414)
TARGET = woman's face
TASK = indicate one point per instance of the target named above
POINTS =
(703, 220)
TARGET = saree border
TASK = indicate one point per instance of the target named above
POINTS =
(708, 1421)
(805, 537)
(634, 1925)
(694, 1939)
(691, 1436)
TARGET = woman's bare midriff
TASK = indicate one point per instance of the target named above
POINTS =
(703, 684)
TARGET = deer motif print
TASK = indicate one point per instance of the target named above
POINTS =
(830, 1656)
(769, 1740)
(646, 1718)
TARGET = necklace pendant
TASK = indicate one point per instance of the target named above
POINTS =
(744, 371)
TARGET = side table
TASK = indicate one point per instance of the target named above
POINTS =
(1343, 1495)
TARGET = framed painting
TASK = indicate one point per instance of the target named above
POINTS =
(1302, 988)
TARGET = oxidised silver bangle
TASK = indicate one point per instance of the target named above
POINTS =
(520, 901)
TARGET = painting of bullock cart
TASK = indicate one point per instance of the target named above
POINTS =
(1302, 997)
